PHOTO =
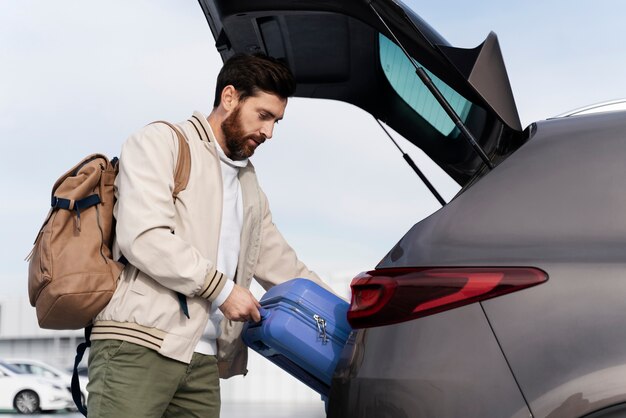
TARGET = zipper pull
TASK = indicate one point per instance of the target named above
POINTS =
(321, 328)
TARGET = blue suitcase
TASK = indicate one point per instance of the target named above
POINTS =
(303, 329)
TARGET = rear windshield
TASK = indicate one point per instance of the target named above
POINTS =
(402, 77)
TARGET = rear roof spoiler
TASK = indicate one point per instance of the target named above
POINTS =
(484, 69)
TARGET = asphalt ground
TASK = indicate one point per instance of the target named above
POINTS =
(234, 410)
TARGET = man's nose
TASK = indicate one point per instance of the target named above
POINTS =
(267, 130)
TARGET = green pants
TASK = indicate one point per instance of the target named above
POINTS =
(128, 380)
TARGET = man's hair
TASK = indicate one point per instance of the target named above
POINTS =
(250, 74)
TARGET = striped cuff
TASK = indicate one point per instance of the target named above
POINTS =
(224, 294)
(213, 284)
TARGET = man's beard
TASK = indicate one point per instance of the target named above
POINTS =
(235, 139)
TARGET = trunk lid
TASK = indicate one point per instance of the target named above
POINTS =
(341, 50)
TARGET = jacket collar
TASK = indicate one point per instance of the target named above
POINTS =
(200, 123)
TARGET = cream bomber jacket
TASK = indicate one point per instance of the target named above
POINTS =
(172, 247)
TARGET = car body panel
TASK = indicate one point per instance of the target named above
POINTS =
(548, 201)
(556, 341)
(429, 375)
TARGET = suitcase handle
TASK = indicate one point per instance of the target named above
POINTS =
(264, 313)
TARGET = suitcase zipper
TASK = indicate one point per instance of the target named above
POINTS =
(321, 328)
(319, 323)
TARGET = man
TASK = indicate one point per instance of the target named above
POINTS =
(160, 344)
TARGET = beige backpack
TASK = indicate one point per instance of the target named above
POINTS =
(71, 272)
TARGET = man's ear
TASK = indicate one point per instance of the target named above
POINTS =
(229, 97)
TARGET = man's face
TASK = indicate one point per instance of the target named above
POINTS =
(250, 123)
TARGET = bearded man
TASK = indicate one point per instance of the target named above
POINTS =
(160, 346)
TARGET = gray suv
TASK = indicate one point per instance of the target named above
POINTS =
(509, 301)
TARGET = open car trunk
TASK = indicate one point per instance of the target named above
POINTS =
(352, 50)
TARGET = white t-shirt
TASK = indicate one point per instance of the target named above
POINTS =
(229, 245)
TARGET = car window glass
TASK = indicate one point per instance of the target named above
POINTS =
(40, 371)
(13, 368)
(402, 77)
(22, 367)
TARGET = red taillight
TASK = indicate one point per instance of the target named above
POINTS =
(389, 296)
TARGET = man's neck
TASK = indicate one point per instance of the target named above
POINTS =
(215, 122)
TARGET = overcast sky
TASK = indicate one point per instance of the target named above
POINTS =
(78, 77)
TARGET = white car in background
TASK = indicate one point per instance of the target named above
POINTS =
(30, 394)
(40, 368)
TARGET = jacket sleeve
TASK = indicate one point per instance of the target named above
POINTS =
(278, 262)
(145, 215)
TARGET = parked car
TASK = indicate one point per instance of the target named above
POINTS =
(29, 394)
(40, 368)
(509, 301)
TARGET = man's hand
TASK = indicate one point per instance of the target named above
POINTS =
(241, 306)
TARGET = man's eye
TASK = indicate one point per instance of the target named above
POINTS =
(267, 116)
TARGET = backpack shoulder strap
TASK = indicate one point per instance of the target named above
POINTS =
(181, 178)
(183, 164)
(75, 385)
